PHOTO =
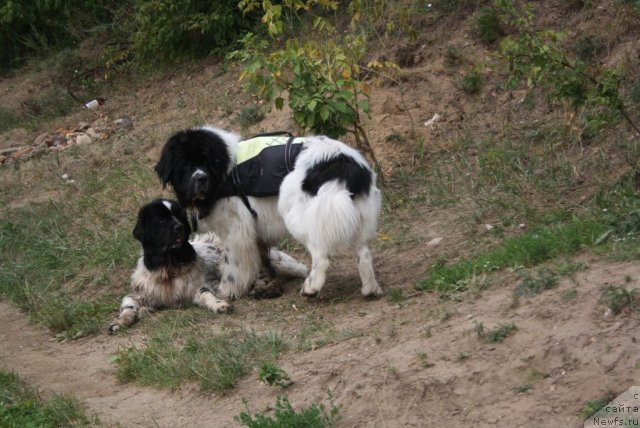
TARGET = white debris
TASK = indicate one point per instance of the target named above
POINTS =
(429, 123)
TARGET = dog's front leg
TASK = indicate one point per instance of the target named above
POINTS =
(240, 268)
(129, 312)
(206, 299)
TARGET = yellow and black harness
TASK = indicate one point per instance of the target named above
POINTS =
(262, 162)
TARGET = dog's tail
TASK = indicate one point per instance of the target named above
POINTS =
(333, 217)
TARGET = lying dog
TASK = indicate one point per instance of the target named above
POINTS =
(254, 193)
(174, 271)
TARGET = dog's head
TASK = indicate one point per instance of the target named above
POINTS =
(195, 162)
(162, 226)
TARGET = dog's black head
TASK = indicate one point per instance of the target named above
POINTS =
(195, 162)
(163, 229)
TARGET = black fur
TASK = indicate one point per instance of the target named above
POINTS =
(342, 168)
(184, 153)
(164, 234)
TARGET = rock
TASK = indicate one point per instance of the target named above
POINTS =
(91, 132)
(124, 123)
(83, 139)
(434, 242)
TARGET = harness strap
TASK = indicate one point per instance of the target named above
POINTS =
(287, 153)
(243, 197)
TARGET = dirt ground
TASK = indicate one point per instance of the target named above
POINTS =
(422, 364)
(415, 363)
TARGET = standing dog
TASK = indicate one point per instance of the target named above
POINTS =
(174, 271)
(254, 193)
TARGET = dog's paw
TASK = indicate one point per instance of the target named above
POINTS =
(113, 328)
(223, 307)
(374, 295)
(308, 295)
(267, 288)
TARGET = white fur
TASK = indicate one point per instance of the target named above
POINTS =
(326, 224)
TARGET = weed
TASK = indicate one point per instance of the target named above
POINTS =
(497, 335)
(216, 362)
(592, 407)
(529, 286)
(617, 298)
(22, 406)
(569, 268)
(424, 362)
(274, 375)
(452, 56)
(395, 295)
(567, 295)
(394, 137)
(461, 356)
(487, 25)
(472, 82)
(521, 389)
(315, 416)
(478, 328)
(588, 48)
(249, 116)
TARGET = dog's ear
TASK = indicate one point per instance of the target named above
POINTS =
(184, 218)
(138, 231)
(164, 167)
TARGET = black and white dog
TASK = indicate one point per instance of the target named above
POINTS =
(254, 193)
(174, 271)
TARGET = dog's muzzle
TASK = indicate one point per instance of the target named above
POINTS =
(200, 183)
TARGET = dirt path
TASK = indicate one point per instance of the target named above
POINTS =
(421, 362)
(82, 368)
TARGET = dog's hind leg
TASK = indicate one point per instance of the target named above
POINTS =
(318, 275)
(129, 311)
(370, 287)
(206, 299)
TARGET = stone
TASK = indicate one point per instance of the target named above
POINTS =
(83, 139)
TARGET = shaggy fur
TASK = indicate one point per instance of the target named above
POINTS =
(174, 271)
(329, 202)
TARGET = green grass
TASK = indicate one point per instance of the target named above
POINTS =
(593, 406)
(618, 298)
(486, 25)
(472, 82)
(216, 362)
(530, 249)
(249, 116)
(22, 407)
(273, 375)
(314, 416)
(67, 262)
(497, 335)
(530, 285)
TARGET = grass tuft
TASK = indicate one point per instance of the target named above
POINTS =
(530, 286)
(21, 406)
(497, 335)
(532, 248)
(593, 406)
(618, 299)
(273, 375)
(215, 362)
(315, 416)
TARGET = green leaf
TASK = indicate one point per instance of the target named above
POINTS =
(279, 102)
